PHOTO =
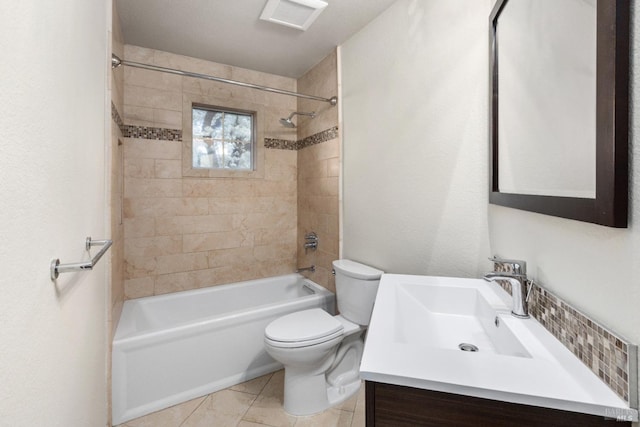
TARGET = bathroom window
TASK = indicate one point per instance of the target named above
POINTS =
(222, 139)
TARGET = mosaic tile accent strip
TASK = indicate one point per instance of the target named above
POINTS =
(285, 144)
(115, 116)
(280, 144)
(129, 131)
(325, 135)
(609, 356)
(145, 132)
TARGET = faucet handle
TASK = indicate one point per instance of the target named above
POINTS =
(529, 285)
(519, 266)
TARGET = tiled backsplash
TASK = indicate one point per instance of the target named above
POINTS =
(612, 358)
(606, 354)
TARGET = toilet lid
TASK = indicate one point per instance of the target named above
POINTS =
(302, 326)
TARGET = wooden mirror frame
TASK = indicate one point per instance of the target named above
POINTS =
(612, 104)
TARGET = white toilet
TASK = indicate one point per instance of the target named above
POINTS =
(321, 353)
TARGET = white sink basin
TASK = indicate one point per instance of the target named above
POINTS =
(452, 318)
(419, 322)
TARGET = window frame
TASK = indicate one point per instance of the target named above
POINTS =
(217, 104)
(225, 110)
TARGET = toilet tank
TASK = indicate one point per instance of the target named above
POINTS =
(356, 288)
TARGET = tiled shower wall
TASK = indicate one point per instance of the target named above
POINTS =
(182, 232)
(319, 170)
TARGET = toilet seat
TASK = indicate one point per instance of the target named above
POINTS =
(303, 328)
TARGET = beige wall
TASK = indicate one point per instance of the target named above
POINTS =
(318, 172)
(185, 233)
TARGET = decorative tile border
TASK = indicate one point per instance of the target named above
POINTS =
(325, 135)
(280, 144)
(317, 138)
(612, 358)
(116, 117)
(145, 132)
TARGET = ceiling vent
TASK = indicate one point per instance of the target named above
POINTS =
(298, 14)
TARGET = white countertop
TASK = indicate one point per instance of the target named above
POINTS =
(552, 377)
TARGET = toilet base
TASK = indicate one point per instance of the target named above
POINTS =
(340, 394)
(308, 395)
(304, 394)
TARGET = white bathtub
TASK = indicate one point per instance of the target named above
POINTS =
(171, 348)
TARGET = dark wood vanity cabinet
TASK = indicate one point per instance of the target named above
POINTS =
(397, 406)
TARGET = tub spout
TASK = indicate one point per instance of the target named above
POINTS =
(311, 269)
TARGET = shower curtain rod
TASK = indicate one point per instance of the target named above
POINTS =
(116, 62)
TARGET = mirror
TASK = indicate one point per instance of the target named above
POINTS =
(559, 85)
(547, 106)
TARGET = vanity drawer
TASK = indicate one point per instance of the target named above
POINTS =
(393, 405)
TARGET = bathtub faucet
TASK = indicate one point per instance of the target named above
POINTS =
(311, 241)
(311, 269)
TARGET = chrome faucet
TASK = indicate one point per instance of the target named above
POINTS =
(311, 269)
(311, 241)
(520, 286)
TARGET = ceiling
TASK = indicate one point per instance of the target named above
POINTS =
(230, 31)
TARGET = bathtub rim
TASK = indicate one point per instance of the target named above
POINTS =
(121, 337)
(193, 327)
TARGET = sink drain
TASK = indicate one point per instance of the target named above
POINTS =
(468, 347)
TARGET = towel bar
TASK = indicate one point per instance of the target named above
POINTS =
(57, 268)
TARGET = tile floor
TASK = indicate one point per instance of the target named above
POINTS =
(254, 403)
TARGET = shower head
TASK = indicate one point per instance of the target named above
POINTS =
(288, 123)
